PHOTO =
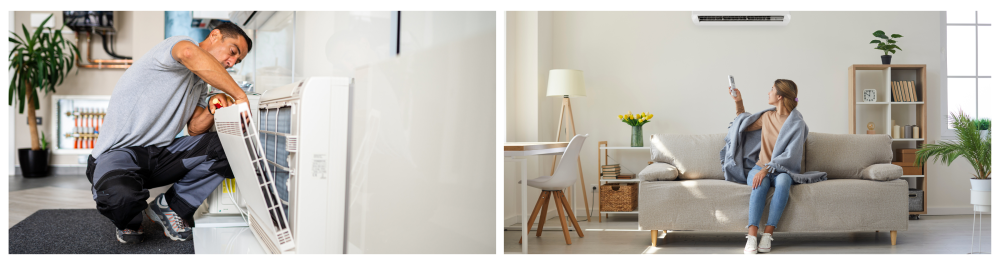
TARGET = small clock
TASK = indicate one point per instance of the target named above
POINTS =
(869, 95)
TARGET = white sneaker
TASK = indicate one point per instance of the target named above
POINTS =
(751, 247)
(765, 243)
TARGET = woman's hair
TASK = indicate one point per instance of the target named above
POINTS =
(788, 91)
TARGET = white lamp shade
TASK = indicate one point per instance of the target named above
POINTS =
(566, 82)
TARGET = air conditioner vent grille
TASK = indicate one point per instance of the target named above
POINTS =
(231, 128)
(741, 18)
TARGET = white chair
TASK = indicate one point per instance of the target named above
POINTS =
(564, 176)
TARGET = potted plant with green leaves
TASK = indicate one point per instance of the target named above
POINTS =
(972, 145)
(41, 60)
(887, 44)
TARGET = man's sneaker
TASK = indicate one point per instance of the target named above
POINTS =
(751, 247)
(129, 236)
(173, 225)
(765, 243)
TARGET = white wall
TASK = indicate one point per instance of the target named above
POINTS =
(422, 160)
(660, 62)
(138, 33)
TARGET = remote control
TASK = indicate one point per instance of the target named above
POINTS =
(732, 84)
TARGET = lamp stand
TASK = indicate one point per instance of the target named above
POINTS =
(567, 111)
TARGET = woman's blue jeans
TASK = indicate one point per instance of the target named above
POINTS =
(782, 183)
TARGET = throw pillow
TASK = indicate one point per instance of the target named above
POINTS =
(882, 172)
(659, 172)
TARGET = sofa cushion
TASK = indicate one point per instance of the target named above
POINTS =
(844, 156)
(838, 205)
(658, 172)
(882, 172)
(694, 156)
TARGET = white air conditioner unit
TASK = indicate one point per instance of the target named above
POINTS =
(290, 164)
(741, 18)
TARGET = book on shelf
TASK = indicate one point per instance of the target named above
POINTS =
(902, 92)
(610, 166)
(626, 176)
(906, 92)
(611, 174)
(895, 92)
(913, 91)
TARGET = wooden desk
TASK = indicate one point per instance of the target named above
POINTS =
(515, 149)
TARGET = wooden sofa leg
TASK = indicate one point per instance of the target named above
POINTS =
(653, 234)
(892, 234)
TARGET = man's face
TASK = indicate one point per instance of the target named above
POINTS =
(228, 51)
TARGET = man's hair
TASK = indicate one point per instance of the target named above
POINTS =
(230, 30)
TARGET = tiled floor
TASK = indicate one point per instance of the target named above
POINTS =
(931, 234)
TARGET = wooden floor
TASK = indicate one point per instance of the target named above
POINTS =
(937, 234)
(25, 196)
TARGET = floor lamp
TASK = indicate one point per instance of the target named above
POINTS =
(565, 83)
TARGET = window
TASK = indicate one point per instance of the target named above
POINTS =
(968, 65)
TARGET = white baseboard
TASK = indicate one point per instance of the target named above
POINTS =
(955, 210)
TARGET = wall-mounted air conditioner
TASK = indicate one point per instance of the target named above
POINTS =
(290, 164)
(741, 18)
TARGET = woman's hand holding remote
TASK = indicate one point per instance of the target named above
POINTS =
(738, 97)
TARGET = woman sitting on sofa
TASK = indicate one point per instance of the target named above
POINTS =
(781, 150)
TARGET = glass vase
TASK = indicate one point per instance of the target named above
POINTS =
(637, 136)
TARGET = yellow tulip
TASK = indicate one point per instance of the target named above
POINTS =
(650, 116)
(630, 113)
(619, 117)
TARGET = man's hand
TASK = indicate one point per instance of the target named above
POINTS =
(218, 101)
(759, 177)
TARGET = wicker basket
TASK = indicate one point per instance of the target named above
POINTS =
(619, 197)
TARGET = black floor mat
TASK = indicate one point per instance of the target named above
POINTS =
(85, 231)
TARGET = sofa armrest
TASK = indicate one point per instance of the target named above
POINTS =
(882, 172)
(659, 172)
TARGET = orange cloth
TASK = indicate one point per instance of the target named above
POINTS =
(770, 125)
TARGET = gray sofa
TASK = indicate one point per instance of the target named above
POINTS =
(685, 189)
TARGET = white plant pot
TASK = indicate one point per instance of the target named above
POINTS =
(980, 184)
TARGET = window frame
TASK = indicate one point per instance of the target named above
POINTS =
(949, 134)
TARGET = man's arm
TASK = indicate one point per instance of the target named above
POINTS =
(200, 122)
(203, 65)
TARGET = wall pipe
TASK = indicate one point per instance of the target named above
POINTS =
(99, 64)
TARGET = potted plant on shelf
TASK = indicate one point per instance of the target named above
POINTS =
(636, 121)
(971, 145)
(41, 61)
(889, 44)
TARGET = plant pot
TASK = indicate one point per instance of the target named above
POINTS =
(980, 184)
(34, 164)
(886, 59)
(637, 136)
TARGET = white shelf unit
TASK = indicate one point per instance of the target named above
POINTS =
(602, 214)
(884, 110)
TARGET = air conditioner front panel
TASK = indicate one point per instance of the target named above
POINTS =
(255, 178)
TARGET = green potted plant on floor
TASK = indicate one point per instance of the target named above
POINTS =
(972, 144)
(887, 46)
(41, 61)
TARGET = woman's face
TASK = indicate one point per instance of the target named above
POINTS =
(772, 97)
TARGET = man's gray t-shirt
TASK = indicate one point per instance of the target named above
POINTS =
(152, 101)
